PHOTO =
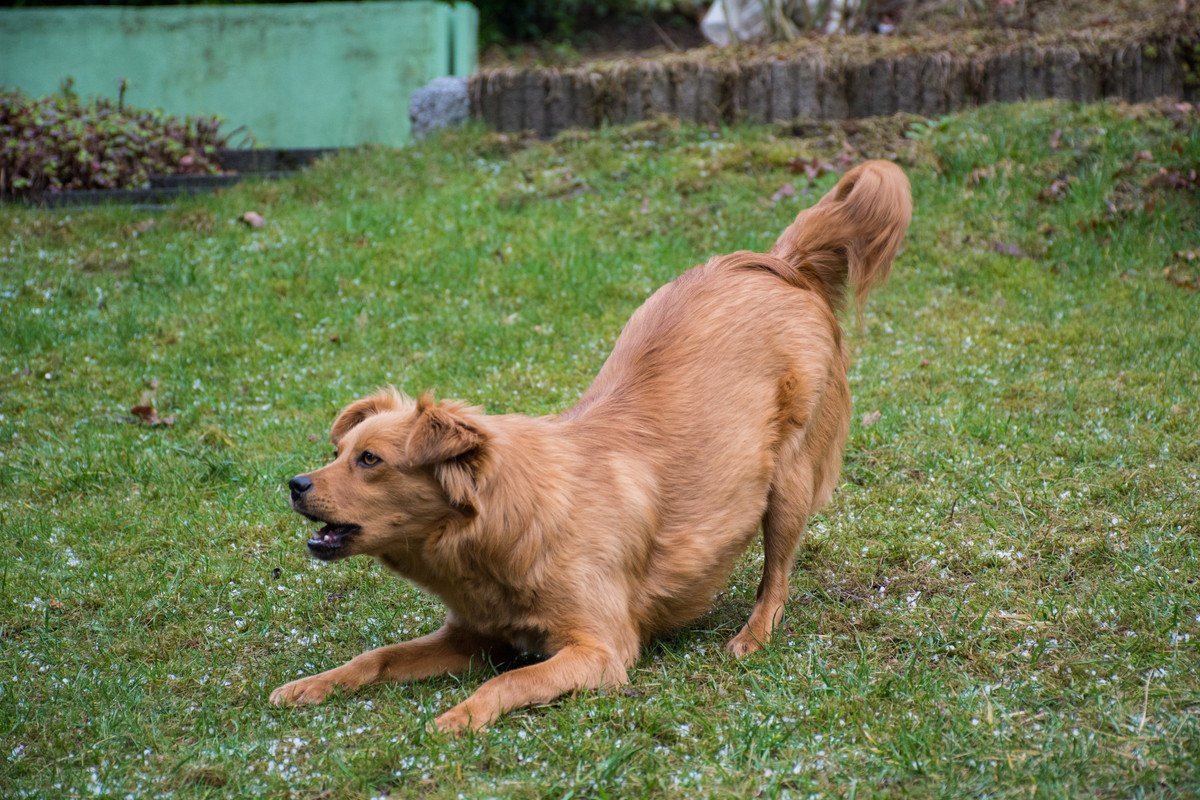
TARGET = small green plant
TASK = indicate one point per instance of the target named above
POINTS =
(61, 142)
(922, 129)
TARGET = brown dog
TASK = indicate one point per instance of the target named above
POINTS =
(724, 405)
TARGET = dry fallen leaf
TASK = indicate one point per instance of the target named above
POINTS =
(212, 436)
(848, 156)
(811, 167)
(870, 419)
(138, 228)
(1181, 279)
(148, 415)
(1175, 179)
(981, 174)
(787, 190)
(144, 413)
(253, 219)
(1055, 139)
(1009, 249)
(1056, 190)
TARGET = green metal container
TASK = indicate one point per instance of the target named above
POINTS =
(296, 75)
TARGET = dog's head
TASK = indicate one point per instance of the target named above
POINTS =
(401, 470)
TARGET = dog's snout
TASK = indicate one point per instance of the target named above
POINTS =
(299, 485)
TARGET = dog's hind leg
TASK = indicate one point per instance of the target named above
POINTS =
(788, 507)
(805, 476)
(449, 649)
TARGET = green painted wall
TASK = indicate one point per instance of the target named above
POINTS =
(297, 75)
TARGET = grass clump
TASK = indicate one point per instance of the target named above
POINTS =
(1001, 600)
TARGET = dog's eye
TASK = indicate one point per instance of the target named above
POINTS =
(368, 459)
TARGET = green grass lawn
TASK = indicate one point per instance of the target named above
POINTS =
(1002, 599)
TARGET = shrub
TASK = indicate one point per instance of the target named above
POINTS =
(61, 142)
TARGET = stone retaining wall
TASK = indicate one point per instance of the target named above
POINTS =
(828, 86)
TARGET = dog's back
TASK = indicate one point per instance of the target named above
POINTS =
(727, 389)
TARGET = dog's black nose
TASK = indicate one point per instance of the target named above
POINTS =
(299, 485)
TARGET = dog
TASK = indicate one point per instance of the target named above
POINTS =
(723, 408)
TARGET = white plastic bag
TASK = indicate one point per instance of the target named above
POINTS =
(728, 21)
(734, 20)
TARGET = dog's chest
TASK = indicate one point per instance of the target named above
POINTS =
(526, 641)
(497, 611)
(485, 605)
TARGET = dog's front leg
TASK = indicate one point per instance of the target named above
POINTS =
(449, 649)
(572, 668)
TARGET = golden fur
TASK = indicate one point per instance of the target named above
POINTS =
(723, 407)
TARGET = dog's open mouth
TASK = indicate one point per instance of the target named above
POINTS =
(329, 542)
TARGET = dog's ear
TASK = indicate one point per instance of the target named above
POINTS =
(449, 437)
(386, 399)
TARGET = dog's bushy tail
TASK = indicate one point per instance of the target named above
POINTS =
(852, 234)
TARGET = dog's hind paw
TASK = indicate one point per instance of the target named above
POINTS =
(305, 691)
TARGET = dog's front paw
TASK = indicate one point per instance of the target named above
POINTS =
(457, 721)
(306, 691)
(743, 644)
